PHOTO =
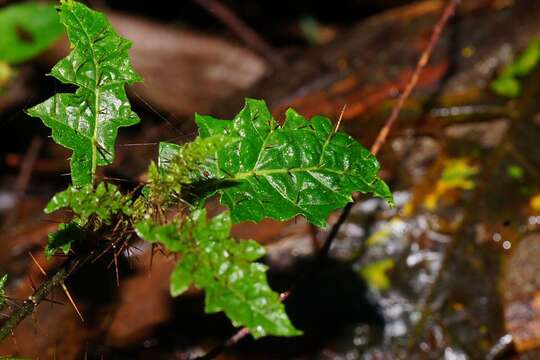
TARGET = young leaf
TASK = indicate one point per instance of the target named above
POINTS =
(184, 165)
(299, 168)
(3, 281)
(104, 201)
(87, 121)
(225, 269)
(63, 238)
(27, 29)
(187, 164)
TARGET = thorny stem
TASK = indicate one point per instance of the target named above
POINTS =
(30, 305)
(42, 292)
(448, 12)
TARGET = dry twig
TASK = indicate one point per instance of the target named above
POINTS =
(241, 29)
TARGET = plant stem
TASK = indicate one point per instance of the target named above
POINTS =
(43, 291)
(30, 305)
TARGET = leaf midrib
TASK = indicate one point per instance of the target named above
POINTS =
(96, 94)
(195, 247)
(224, 284)
(269, 172)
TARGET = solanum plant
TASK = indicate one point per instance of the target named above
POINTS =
(258, 167)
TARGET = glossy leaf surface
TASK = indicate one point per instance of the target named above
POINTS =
(27, 29)
(225, 269)
(183, 165)
(101, 204)
(104, 201)
(87, 121)
(299, 168)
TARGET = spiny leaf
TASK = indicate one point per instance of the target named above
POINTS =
(187, 164)
(27, 29)
(299, 168)
(104, 201)
(225, 269)
(3, 281)
(87, 121)
(183, 165)
(63, 238)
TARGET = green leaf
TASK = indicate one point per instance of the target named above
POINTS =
(27, 29)
(188, 164)
(63, 238)
(167, 152)
(87, 121)
(102, 204)
(507, 84)
(299, 168)
(225, 269)
(3, 281)
(104, 201)
(184, 165)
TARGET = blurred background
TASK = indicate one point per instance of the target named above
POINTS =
(451, 273)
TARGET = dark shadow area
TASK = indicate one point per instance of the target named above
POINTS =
(324, 305)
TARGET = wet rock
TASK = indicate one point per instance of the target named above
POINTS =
(522, 294)
(486, 134)
(417, 154)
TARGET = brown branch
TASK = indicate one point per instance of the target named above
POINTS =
(241, 29)
(448, 12)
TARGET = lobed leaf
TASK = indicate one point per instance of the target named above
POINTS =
(26, 30)
(299, 168)
(87, 121)
(224, 269)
